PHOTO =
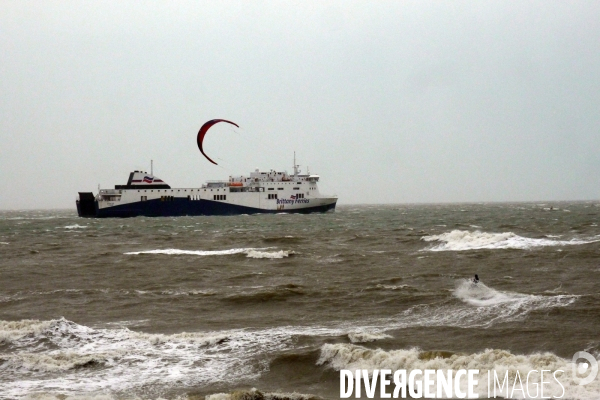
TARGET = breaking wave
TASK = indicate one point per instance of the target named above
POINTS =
(250, 252)
(350, 356)
(458, 240)
(11, 331)
(78, 359)
(365, 337)
(54, 362)
(62, 357)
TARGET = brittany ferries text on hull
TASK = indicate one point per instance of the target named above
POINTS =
(260, 192)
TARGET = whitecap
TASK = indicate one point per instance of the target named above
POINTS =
(364, 337)
(196, 252)
(393, 287)
(458, 240)
(478, 294)
(76, 226)
(266, 254)
(250, 252)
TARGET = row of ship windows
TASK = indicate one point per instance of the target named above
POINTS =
(277, 183)
(215, 197)
(271, 196)
(179, 190)
(162, 198)
(274, 196)
(197, 190)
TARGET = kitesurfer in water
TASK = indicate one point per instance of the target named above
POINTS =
(476, 279)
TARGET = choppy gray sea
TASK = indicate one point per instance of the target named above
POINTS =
(188, 307)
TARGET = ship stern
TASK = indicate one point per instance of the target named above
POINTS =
(86, 205)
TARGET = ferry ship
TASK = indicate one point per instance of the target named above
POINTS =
(260, 192)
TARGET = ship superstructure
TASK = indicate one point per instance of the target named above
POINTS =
(259, 192)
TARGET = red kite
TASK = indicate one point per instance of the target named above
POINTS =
(204, 129)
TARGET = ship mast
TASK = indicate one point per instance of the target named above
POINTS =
(295, 166)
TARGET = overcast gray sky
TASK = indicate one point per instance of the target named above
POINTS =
(390, 102)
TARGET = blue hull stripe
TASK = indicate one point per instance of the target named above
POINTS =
(183, 207)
